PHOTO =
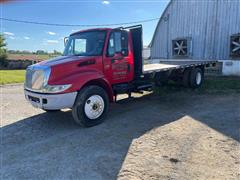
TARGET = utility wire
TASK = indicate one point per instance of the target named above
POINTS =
(76, 25)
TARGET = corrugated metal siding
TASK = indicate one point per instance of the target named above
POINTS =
(209, 23)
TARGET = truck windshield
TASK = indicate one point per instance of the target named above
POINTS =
(89, 43)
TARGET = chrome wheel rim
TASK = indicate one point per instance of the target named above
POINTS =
(94, 107)
(198, 78)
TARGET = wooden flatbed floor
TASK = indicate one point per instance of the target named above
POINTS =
(164, 65)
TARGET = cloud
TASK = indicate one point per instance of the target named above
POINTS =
(27, 38)
(52, 41)
(105, 2)
(11, 37)
(51, 33)
(8, 33)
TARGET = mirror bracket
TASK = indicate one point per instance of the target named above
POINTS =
(65, 41)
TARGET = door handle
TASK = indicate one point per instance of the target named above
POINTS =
(128, 67)
(117, 58)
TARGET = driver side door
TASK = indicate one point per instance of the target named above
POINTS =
(116, 62)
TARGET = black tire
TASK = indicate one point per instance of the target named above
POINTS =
(78, 110)
(194, 78)
(161, 79)
(186, 77)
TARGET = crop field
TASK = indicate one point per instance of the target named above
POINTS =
(35, 57)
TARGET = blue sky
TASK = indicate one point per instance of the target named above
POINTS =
(34, 37)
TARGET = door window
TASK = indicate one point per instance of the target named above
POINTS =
(117, 40)
(115, 43)
(111, 49)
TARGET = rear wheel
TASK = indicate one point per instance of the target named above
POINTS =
(161, 79)
(186, 77)
(196, 78)
(91, 106)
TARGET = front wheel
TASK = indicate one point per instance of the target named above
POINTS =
(91, 106)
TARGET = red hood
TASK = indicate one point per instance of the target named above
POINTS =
(61, 60)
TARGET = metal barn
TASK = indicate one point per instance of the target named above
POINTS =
(200, 30)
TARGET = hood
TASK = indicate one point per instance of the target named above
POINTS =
(61, 60)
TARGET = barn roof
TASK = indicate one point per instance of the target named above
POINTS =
(162, 16)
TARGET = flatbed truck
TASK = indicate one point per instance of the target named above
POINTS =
(96, 66)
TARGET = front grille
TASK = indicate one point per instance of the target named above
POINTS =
(29, 75)
(37, 77)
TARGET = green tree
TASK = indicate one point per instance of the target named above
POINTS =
(55, 52)
(3, 51)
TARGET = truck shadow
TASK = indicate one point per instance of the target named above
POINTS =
(52, 146)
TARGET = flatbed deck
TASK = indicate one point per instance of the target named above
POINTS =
(166, 65)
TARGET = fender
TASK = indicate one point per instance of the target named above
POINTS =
(82, 79)
(103, 82)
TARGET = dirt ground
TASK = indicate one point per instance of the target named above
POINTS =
(175, 136)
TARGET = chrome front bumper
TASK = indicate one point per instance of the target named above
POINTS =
(51, 101)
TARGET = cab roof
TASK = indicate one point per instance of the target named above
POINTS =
(93, 29)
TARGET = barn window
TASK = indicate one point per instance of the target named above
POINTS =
(181, 47)
(235, 45)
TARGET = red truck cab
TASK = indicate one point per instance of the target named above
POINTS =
(98, 64)
(83, 78)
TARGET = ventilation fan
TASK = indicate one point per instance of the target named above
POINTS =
(181, 47)
(235, 45)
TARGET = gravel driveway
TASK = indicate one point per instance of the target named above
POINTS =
(176, 136)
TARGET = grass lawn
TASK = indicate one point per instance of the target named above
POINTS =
(211, 85)
(12, 76)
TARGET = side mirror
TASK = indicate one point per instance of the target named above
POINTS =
(65, 41)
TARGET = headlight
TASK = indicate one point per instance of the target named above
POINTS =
(56, 88)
